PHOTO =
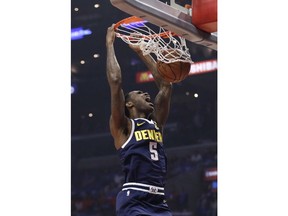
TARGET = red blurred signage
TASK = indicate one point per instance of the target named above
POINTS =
(210, 174)
(145, 76)
(203, 67)
(196, 68)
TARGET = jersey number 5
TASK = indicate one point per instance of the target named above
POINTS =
(153, 151)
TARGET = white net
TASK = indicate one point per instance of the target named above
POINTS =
(167, 46)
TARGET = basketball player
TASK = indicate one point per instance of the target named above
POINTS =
(136, 125)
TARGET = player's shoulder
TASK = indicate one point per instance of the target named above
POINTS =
(121, 134)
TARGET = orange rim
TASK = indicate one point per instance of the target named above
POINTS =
(137, 19)
(127, 21)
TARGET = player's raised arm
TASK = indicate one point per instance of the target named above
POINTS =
(163, 98)
(118, 120)
(162, 101)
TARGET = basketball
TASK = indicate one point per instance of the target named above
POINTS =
(173, 72)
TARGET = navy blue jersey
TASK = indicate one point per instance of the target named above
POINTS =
(144, 165)
(142, 155)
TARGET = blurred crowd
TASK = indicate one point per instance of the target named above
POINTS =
(94, 190)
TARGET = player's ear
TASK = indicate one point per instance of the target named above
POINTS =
(129, 104)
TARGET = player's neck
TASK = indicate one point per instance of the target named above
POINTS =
(135, 115)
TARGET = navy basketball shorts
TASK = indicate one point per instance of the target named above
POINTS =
(136, 201)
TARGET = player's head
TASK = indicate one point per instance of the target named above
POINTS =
(138, 102)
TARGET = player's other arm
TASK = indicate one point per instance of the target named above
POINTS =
(118, 121)
(162, 102)
(163, 98)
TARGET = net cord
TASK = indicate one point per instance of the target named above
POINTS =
(167, 46)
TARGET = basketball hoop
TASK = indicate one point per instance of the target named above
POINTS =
(166, 45)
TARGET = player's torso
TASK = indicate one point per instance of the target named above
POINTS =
(142, 155)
